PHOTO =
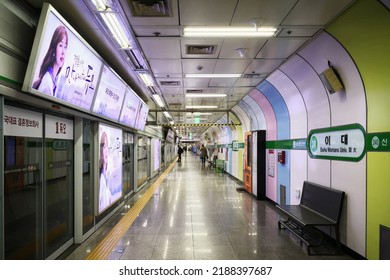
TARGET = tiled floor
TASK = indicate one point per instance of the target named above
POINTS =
(199, 214)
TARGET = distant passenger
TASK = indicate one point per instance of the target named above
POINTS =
(203, 154)
(179, 152)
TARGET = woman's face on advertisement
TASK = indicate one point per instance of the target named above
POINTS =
(105, 151)
(61, 52)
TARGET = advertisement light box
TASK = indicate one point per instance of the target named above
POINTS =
(109, 95)
(130, 108)
(62, 66)
(110, 166)
(142, 116)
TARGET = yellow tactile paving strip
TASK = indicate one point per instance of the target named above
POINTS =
(106, 246)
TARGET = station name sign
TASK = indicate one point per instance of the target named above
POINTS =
(345, 143)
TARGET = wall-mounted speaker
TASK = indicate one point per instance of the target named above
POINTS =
(331, 80)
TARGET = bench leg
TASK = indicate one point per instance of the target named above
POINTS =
(338, 243)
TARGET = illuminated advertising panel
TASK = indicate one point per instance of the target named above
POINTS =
(130, 108)
(62, 66)
(110, 166)
(109, 95)
(170, 136)
(142, 116)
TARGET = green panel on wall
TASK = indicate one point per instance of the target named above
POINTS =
(361, 31)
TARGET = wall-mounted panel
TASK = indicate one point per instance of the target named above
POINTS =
(298, 169)
(270, 118)
(243, 117)
(283, 128)
(316, 99)
(294, 102)
(347, 105)
(266, 114)
(250, 112)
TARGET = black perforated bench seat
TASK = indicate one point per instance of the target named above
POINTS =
(319, 206)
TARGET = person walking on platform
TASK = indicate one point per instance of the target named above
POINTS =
(179, 152)
(203, 154)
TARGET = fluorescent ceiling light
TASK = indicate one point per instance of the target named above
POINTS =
(146, 79)
(205, 95)
(212, 76)
(112, 22)
(158, 99)
(199, 113)
(202, 107)
(100, 5)
(230, 31)
(167, 114)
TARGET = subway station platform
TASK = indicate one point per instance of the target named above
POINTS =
(191, 212)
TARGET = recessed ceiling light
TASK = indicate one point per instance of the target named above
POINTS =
(229, 31)
(202, 107)
(212, 75)
(194, 95)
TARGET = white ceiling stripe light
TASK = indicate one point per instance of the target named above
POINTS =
(199, 113)
(167, 114)
(146, 79)
(206, 31)
(158, 99)
(114, 23)
(212, 76)
(194, 95)
(202, 107)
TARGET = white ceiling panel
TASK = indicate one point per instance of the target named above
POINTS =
(155, 31)
(262, 66)
(231, 66)
(206, 12)
(172, 91)
(299, 31)
(165, 66)
(222, 82)
(265, 11)
(249, 47)
(315, 12)
(245, 82)
(160, 47)
(198, 66)
(281, 47)
(196, 83)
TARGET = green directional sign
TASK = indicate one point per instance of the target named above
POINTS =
(378, 142)
(235, 145)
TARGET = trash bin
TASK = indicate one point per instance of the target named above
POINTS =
(220, 166)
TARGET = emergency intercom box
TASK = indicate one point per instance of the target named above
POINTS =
(282, 157)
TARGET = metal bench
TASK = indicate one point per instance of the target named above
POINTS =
(319, 206)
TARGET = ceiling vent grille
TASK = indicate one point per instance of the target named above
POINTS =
(251, 76)
(170, 83)
(150, 8)
(201, 50)
(175, 104)
(194, 91)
